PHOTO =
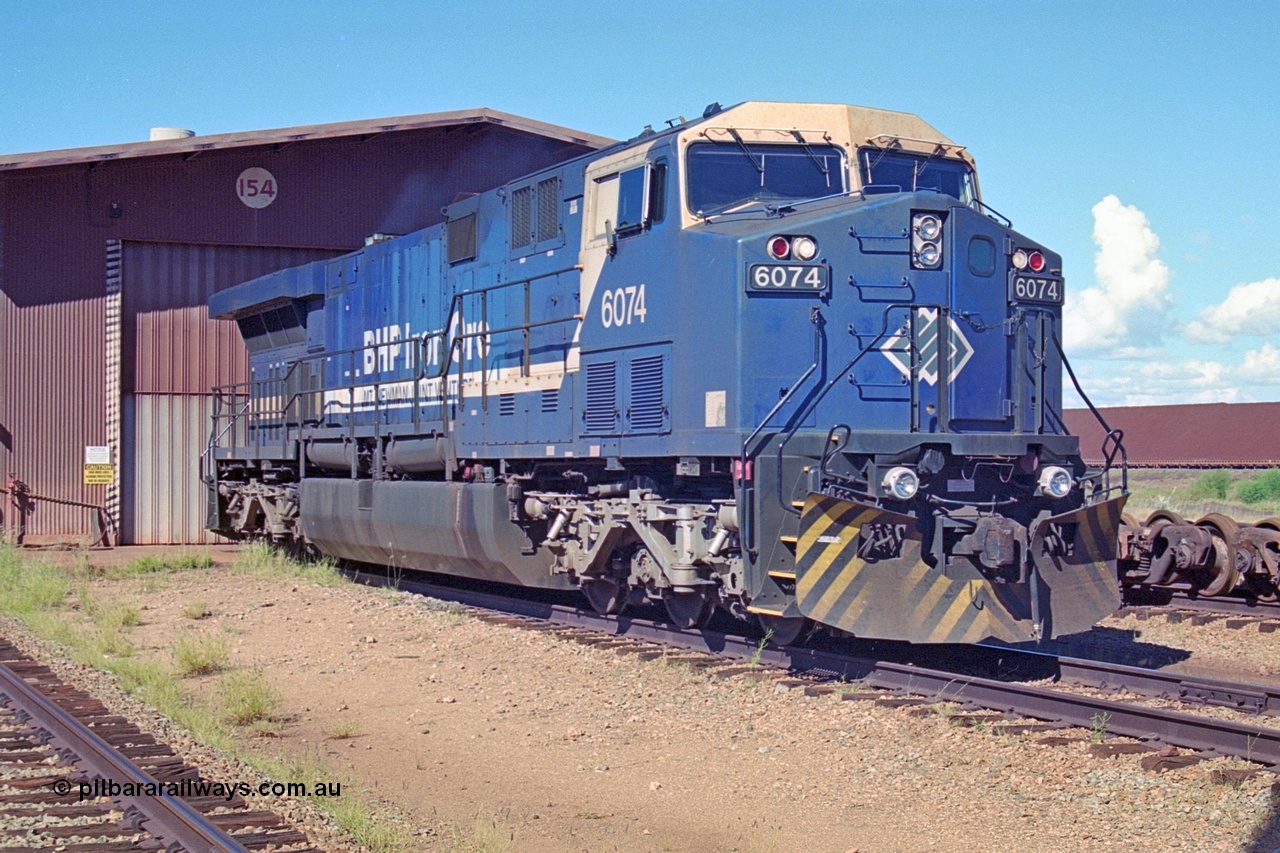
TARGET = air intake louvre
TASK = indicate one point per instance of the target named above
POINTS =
(647, 409)
(548, 209)
(506, 405)
(550, 401)
(601, 413)
(522, 217)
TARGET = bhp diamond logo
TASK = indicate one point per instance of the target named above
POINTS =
(898, 348)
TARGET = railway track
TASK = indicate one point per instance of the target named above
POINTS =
(73, 776)
(819, 669)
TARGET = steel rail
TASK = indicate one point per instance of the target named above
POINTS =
(166, 818)
(1255, 743)
(1179, 599)
(1156, 683)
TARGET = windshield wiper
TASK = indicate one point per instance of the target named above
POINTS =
(813, 158)
(745, 150)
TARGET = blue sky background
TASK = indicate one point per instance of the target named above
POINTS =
(1136, 139)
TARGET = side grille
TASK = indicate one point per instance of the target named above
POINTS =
(601, 412)
(522, 217)
(506, 405)
(548, 209)
(647, 409)
(550, 401)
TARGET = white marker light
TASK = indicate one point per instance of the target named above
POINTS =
(1055, 482)
(1020, 259)
(901, 483)
(804, 248)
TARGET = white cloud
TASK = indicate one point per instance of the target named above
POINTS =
(1261, 366)
(1127, 309)
(1249, 309)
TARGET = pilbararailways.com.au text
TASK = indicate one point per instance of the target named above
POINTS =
(187, 788)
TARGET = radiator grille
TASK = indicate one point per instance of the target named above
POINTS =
(548, 209)
(602, 397)
(522, 217)
(647, 409)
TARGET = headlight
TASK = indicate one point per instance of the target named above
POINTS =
(926, 241)
(928, 227)
(929, 255)
(804, 248)
(901, 483)
(1055, 482)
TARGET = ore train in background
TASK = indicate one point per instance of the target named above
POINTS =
(781, 361)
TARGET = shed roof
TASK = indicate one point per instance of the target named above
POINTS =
(1218, 435)
(287, 135)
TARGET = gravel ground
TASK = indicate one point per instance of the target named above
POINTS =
(482, 736)
(461, 723)
(212, 764)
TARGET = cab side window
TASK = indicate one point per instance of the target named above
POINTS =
(630, 201)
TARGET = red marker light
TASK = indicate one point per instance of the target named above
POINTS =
(779, 247)
(1035, 261)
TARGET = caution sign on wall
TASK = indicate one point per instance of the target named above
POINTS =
(98, 468)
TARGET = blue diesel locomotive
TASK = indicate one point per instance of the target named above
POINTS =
(781, 361)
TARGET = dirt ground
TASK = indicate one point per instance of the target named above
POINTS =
(508, 739)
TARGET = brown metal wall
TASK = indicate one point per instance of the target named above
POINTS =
(55, 223)
(1226, 435)
(170, 346)
(173, 355)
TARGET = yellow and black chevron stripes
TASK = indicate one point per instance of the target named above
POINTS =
(1075, 555)
(859, 568)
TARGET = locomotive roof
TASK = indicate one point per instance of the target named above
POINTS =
(366, 127)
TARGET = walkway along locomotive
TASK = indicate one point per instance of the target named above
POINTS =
(780, 361)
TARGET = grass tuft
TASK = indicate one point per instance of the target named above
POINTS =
(248, 698)
(261, 558)
(28, 587)
(200, 655)
(196, 610)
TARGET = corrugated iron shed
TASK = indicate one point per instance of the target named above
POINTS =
(1208, 435)
(107, 258)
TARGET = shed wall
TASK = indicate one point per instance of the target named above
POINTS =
(55, 226)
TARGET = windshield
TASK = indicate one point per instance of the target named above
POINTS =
(725, 174)
(896, 171)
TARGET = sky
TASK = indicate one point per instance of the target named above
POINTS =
(1133, 138)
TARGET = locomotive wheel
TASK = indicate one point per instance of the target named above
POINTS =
(1269, 524)
(1225, 572)
(606, 595)
(783, 630)
(690, 609)
(1130, 520)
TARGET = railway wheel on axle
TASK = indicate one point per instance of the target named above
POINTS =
(783, 630)
(1224, 574)
(1265, 581)
(690, 609)
(607, 595)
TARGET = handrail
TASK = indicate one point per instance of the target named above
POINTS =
(798, 419)
(449, 340)
(1112, 442)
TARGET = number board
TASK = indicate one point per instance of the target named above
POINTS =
(1027, 288)
(797, 279)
